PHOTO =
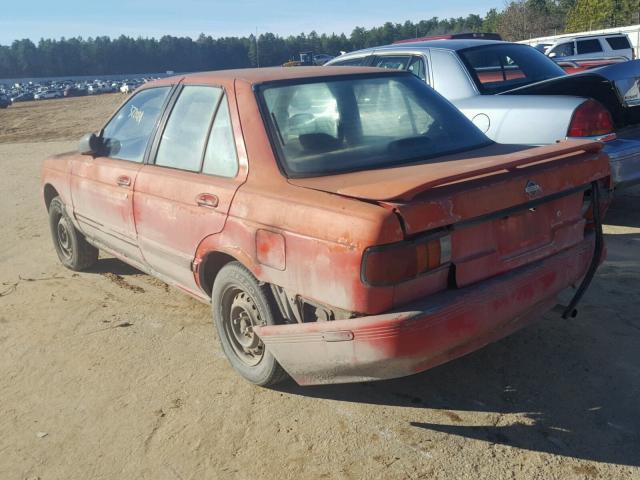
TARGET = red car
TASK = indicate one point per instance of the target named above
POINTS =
(346, 224)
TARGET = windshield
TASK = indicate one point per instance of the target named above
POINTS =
(501, 67)
(361, 122)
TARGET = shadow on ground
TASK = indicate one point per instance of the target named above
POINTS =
(114, 266)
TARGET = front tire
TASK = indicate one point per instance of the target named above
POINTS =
(240, 303)
(72, 248)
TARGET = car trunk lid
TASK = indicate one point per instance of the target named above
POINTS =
(502, 210)
(616, 86)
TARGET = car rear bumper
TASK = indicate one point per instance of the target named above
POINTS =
(624, 158)
(427, 333)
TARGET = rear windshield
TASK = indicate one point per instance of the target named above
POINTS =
(618, 43)
(362, 122)
(497, 68)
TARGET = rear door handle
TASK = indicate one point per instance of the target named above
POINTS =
(207, 200)
(124, 181)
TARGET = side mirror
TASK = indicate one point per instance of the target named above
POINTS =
(90, 144)
(553, 55)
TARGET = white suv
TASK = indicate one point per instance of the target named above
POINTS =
(591, 47)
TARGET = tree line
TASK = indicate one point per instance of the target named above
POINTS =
(520, 19)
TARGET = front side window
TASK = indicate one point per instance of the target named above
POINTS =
(127, 134)
(498, 68)
(183, 140)
(362, 122)
(562, 50)
(588, 46)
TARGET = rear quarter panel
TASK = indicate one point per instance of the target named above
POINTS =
(521, 119)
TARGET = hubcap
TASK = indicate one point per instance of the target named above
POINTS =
(241, 316)
(64, 238)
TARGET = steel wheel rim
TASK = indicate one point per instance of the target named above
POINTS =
(240, 316)
(64, 238)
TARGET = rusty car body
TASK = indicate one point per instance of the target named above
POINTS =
(337, 239)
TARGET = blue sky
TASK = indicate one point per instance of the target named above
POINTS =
(153, 18)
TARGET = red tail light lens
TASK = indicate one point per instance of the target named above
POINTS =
(393, 264)
(590, 119)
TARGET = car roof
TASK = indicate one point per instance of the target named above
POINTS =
(261, 75)
(587, 36)
(455, 45)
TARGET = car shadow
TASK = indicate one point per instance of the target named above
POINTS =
(625, 209)
(114, 266)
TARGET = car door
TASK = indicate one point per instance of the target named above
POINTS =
(102, 187)
(589, 48)
(184, 195)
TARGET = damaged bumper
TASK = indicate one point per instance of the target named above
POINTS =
(427, 333)
(624, 158)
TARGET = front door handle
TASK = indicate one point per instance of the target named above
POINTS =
(207, 200)
(124, 181)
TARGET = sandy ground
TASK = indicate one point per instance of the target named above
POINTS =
(56, 119)
(110, 374)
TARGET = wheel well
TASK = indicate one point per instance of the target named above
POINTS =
(49, 194)
(211, 265)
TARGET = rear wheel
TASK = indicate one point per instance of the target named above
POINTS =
(72, 248)
(239, 304)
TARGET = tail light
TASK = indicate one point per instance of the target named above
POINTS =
(590, 119)
(392, 264)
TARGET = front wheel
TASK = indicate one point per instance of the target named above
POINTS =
(239, 304)
(72, 248)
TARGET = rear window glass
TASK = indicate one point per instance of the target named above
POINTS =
(362, 122)
(497, 68)
(588, 46)
(618, 43)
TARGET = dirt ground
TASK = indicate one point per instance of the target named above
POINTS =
(57, 119)
(110, 374)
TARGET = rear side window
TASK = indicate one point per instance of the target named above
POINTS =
(185, 135)
(353, 62)
(393, 63)
(618, 43)
(588, 46)
(417, 67)
(127, 133)
(563, 50)
(221, 158)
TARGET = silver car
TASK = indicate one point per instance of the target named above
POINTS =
(517, 95)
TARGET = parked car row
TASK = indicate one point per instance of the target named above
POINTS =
(23, 92)
(351, 224)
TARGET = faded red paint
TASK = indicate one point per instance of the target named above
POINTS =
(430, 332)
(271, 249)
(309, 237)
